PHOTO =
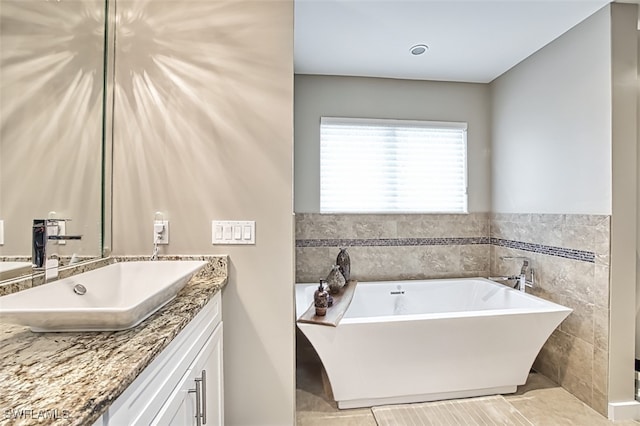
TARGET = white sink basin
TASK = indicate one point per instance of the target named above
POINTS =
(118, 297)
(10, 270)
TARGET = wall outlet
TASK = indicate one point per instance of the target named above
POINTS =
(161, 232)
(1, 232)
(233, 232)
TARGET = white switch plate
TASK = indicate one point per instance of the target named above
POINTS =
(164, 238)
(1, 232)
(233, 232)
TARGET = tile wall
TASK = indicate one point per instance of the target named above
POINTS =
(570, 255)
(384, 247)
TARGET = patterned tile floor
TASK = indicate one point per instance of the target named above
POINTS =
(540, 401)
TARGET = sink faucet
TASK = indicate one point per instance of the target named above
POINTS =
(526, 276)
(41, 234)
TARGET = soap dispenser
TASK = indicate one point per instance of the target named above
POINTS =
(321, 300)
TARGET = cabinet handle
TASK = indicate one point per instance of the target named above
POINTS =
(204, 397)
(197, 392)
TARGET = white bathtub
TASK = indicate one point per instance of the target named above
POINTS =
(413, 341)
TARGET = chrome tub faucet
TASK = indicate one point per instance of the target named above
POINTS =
(526, 277)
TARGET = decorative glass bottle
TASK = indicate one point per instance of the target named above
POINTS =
(335, 280)
(344, 263)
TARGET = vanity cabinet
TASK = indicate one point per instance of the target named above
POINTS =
(184, 384)
(198, 398)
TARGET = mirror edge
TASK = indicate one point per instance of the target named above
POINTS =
(107, 127)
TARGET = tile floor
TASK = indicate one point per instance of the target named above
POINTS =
(540, 400)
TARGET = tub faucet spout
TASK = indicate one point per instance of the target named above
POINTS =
(505, 278)
(526, 276)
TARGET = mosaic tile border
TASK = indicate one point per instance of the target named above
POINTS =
(573, 254)
(391, 242)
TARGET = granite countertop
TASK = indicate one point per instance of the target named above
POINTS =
(72, 378)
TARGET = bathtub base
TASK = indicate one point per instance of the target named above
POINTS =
(408, 399)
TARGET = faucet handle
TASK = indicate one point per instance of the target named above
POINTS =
(64, 237)
(55, 221)
(526, 262)
(54, 227)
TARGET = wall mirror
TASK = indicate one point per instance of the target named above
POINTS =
(52, 131)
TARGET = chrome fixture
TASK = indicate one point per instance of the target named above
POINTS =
(526, 277)
(43, 231)
(505, 278)
(79, 289)
(201, 398)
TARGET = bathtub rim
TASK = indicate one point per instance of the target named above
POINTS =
(549, 306)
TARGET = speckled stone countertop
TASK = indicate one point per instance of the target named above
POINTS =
(72, 378)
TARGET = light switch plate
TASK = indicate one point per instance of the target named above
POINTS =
(233, 232)
(1, 232)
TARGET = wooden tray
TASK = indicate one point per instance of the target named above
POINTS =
(341, 302)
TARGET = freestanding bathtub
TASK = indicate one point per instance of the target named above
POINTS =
(413, 341)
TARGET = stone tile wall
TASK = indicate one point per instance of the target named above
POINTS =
(570, 256)
(393, 246)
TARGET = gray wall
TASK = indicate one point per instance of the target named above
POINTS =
(203, 130)
(551, 146)
(317, 96)
(624, 69)
(638, 211)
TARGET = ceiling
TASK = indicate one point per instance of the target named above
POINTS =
(470, 41)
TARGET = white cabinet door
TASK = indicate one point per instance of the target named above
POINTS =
(209, 365)
(201, 384)
(184, 413)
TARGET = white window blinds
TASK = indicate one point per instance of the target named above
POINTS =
(388, 166)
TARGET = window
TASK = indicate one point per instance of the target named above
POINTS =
(392, 166)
